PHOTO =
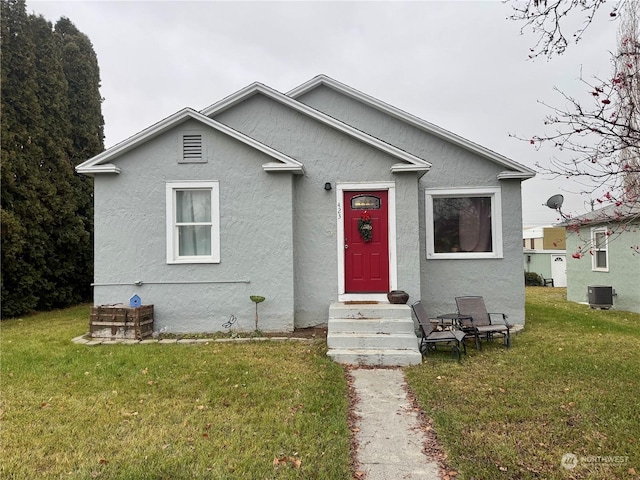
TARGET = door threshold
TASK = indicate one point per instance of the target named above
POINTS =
(363, 297)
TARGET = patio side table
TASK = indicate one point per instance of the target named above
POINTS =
(463, 322)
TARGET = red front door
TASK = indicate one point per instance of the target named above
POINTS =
(366, 242)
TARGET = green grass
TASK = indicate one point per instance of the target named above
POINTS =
(224, 411)
(569, 384)
(219, 411)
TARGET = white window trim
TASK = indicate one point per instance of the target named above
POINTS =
(594, 259)
(172, 230)
(496, 221)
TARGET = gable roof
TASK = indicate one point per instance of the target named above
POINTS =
(410, 162)
(100, 163)
(622, 213)
(515, 170)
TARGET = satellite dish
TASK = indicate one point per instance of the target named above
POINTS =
(555, 202)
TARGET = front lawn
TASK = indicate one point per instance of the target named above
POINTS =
(267, 410)
(254, 410)
(568, 387)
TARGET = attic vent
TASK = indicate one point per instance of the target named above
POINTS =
(192, 148)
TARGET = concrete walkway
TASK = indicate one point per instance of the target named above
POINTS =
(390, 440)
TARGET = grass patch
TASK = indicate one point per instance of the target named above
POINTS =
(569, 384)
(220, 411)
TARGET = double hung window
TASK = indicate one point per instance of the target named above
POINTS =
(600, 250)
(193, 222)
(464, 223)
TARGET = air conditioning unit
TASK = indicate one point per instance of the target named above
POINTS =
(600, 296)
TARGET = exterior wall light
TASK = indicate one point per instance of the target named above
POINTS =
(327, 186)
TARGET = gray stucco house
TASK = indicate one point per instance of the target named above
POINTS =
(321, 195)
(605, 245)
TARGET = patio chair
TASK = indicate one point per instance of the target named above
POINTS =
(430, 337)
(483, 324)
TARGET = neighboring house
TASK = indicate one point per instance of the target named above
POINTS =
(605, 245)
(544, 238)
(272, 194)
(545, 254)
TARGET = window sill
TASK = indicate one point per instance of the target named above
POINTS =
(463, 256)
(182, 261)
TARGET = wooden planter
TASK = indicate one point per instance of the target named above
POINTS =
(121, 321)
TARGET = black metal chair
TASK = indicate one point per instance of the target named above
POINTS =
(483, 324)
(430, 337)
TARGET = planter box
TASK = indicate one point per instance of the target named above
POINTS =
(121, 321)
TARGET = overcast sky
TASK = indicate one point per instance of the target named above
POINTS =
(460, 65)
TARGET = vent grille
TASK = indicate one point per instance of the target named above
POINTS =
(192, 147)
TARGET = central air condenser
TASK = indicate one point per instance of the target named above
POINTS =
(600, 296)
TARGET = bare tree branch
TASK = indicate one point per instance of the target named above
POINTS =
(601, 135)
(547, 18)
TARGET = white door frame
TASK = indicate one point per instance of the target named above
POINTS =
(559, 278)
(391, 212)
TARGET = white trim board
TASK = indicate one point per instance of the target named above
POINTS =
(516, 170)
(390, 187)
(97, 164)
(496, 221)
(409, 162)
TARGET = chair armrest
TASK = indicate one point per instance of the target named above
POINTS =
(467, 323)
(499, 319)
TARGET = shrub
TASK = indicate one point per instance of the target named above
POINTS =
(532, 279)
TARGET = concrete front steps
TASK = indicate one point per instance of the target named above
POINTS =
(372, 334)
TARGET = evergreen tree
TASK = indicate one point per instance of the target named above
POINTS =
(21, 206)
(85, 104)
(46, 207)
(87, 130)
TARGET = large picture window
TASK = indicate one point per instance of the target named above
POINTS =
(600, 245)
(464, 223)
(193, 222)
